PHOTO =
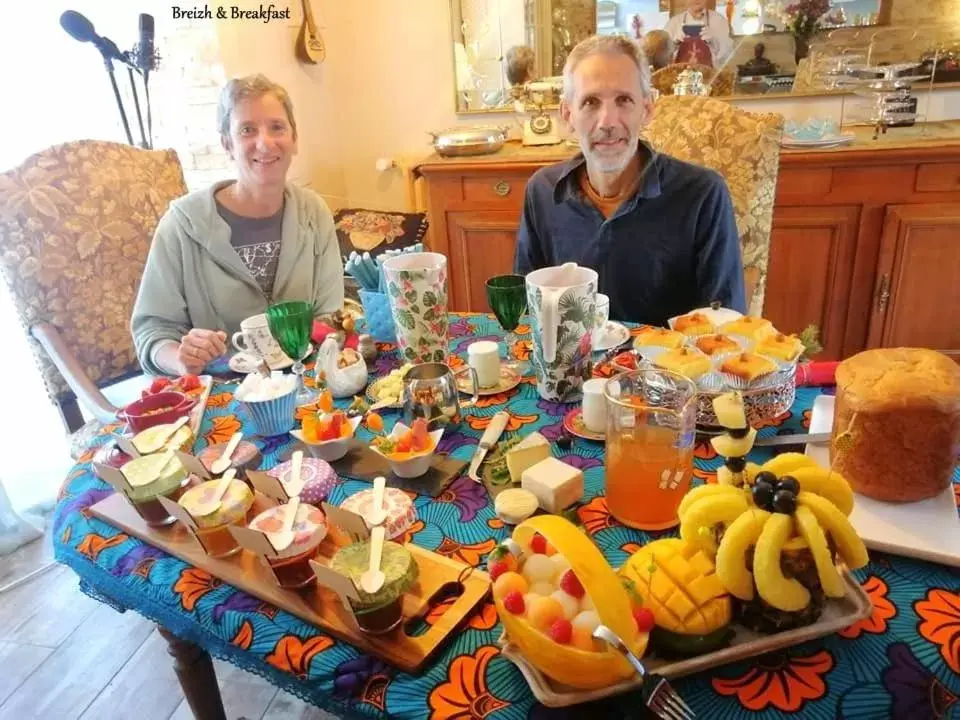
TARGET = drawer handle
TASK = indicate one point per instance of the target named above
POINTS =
(502, 188)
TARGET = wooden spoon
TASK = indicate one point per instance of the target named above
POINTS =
(373, 579)
(223, 462)
(165, 437)
(213, 504)
(293, 485)
(377, 515)
(283, 538)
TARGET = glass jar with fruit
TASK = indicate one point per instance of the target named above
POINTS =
(380, 612)
(554, 595)
(245, 457)
(151, 477)
(213, 526)
(292, 565)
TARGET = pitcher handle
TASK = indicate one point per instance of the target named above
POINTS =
(476, 389)
(549, 311)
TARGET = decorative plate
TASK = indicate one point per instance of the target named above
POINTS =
(573, 424)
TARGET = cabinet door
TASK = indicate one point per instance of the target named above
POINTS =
(482, 245)
(917, 293)
(812, 251)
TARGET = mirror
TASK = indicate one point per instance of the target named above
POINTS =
(498, 45)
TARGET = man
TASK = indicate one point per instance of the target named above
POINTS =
(696, 24)
(659, 232)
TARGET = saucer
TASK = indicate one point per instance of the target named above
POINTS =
(245, 363)
(573, 424)
(508, 381)
(613, 335)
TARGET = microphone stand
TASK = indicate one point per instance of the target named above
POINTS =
(136, 104)
(108, 63)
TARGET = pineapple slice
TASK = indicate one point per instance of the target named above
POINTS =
(728, 446)
(732, 555)
(728, 408)
(788, 463)
(827, 484)
(781, 592)
(699, 492)
(811, 531)
(849, 544)
(708, 512)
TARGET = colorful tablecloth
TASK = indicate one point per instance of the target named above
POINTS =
(903, 662)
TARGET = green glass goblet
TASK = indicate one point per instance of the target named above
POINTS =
(507, 296)
(291, 324)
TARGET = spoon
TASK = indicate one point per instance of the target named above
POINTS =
(213, 504)
(373, 579)
(377, 515)
(165, 437)
(223, 462)
(293, 485)
(282, 539)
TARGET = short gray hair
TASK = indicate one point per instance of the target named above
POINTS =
(610, 45)
(251, 86)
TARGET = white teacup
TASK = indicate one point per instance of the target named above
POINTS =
(602, 316)
(484, 357)
(254, 338)
(595, 405)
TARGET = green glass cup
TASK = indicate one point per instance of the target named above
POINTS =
(291, 324)
(507, 296)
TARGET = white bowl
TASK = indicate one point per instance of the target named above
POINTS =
(417, 465)
(329, 450)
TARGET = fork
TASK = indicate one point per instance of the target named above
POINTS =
(658, 695)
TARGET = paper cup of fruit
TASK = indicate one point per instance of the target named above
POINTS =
(552, 598)
(328, 434)
(408, 450)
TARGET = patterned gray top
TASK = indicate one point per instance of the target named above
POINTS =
(257, 242)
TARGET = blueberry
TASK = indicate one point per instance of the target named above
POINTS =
(736, 464)
(763, 495)
(788, 482)
(765, 476)
(564, 441)
(739, 432)
(784, 502)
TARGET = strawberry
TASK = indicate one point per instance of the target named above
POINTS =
(513, 602)
(538, 543)
(644, 619)
(497, 568)
(189, 382)
(561, 631)
(501, 554)
(159, 384)
(570, 584)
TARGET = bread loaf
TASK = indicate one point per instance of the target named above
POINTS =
(896, 429)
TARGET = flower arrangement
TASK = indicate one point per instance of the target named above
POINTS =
(804, 18)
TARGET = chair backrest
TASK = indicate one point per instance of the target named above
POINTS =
(742, 146)
(76, 223)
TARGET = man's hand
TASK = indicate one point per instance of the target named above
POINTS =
(199, 347)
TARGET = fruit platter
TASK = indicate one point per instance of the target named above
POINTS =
(195, 388)
(762, 563)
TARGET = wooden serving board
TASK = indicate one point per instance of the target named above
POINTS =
(837, 614)
(317, 605)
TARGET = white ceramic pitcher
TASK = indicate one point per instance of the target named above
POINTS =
(562, 306)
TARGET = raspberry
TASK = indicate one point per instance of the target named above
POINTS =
(561, 631)
(644, 619)
(570, 584)
(538, 544)
(497, 568)
(513, 602)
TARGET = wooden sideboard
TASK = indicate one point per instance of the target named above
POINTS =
(865, 242)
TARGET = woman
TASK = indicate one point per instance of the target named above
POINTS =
(696, 24)
(224, 253)
(658, 47)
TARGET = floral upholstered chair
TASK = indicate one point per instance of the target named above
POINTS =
(744, 147)
(76, 222)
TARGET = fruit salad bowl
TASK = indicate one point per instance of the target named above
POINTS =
(408, 450)
(336, 446)
(568, 660)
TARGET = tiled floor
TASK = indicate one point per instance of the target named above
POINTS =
(65, 656)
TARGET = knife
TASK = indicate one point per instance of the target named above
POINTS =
(490, 437)
(796, 439)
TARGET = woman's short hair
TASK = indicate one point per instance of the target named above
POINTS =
(658, 47)
(611, 45)
(520, 60)
(251, 86)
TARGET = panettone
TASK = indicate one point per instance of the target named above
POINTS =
(896, 428)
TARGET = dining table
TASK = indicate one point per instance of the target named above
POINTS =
(903, 661)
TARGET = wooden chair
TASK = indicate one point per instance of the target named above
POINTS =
(742, 146)
(76, 222)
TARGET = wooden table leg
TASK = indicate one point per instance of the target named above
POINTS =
(198, 680)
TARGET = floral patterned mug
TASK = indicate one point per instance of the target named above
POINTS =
(417, 288)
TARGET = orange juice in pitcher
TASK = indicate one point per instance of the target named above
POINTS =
(651, 418)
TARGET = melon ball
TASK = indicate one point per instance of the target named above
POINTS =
(571, 606)
(583, 626)
(509, 582)
(538, 568)
(542, 611)
(541, 588)
(586, 603)
(561, 563)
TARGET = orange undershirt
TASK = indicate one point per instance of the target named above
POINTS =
(606, 205)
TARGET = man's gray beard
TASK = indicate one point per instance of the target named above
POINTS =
(608, 165)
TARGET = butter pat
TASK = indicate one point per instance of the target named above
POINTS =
(556, 484)
(527, 453)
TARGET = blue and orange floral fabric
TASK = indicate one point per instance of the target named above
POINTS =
(902, 662)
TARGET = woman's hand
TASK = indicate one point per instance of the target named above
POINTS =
(199, 347)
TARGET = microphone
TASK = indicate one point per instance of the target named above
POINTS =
(145, 58)
(80, 28)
